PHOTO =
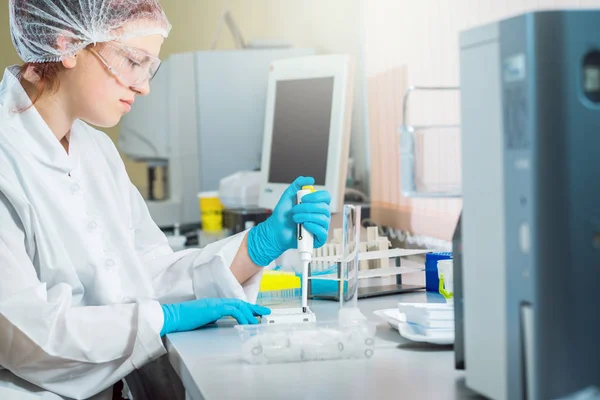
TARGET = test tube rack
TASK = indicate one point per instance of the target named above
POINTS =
(334, 248)
(375, 261)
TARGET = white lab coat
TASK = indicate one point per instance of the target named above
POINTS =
(82, 264)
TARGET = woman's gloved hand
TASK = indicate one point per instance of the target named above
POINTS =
(190, 315)
(271, 238)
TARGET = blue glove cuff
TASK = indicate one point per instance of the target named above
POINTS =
(261, 250)
(169, 314)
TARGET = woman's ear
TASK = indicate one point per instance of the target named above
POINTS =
(70, 62)
(63, 43)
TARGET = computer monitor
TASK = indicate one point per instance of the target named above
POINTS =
(307, 126)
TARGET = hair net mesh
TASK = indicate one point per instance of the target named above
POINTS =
(52, 30)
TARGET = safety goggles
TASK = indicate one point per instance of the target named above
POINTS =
(133, 67)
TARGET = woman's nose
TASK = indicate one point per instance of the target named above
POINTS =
(143, 88)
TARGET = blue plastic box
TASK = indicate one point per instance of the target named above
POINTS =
(432, 281)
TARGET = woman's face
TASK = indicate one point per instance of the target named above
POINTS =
(97, 95)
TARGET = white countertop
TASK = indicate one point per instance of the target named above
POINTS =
(210, 366)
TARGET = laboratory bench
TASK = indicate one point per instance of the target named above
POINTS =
(209, 363)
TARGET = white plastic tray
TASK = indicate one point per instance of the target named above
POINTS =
(397, 320)
(314, 341)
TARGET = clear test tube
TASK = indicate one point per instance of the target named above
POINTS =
(349, 264)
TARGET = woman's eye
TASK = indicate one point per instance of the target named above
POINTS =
(133, 63)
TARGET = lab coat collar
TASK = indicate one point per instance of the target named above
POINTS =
(28, 130)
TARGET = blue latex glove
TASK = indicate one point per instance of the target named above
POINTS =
(271, 238)
(190, 315)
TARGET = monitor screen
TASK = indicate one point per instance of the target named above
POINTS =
(302, 118)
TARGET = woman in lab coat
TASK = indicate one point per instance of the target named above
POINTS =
(88, 282)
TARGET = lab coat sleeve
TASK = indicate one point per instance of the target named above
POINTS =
(188, 274)
(74, 351)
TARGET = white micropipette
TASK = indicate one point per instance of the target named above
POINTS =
(305, 249)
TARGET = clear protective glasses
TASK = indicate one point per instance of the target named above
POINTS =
(133, 67)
